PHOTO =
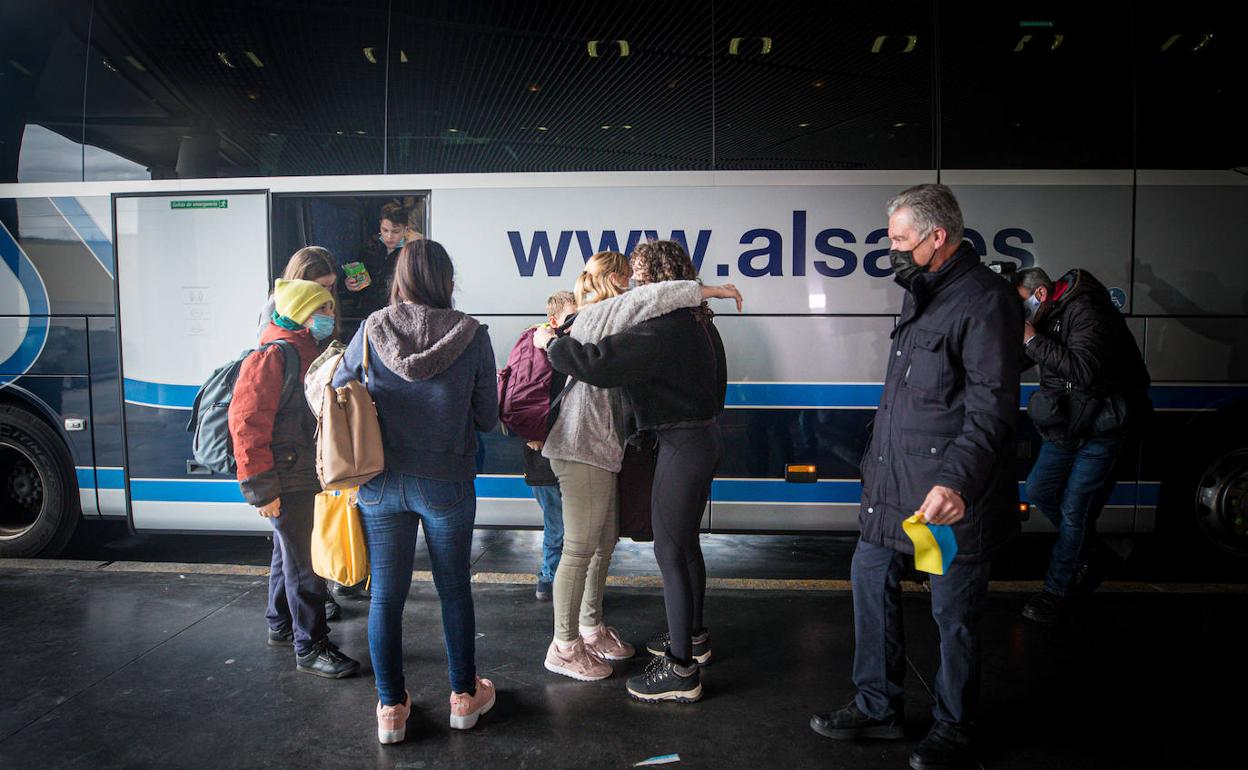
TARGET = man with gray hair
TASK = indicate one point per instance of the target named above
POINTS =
(942, 448)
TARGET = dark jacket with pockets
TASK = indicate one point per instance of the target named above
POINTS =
(1082, 344)
(947, 415)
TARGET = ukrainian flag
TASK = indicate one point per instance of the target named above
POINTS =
(934, 544)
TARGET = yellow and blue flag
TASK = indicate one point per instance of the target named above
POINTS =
(934, 544)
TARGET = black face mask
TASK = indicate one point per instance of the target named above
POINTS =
(905, 269)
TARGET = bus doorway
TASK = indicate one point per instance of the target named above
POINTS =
(363, 233)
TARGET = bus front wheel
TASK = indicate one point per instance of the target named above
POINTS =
(1222, 502)
(38, 509)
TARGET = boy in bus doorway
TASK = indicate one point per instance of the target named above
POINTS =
(368, 279)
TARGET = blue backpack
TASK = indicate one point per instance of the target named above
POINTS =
(213, 447)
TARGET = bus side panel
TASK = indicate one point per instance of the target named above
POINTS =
(106, 417)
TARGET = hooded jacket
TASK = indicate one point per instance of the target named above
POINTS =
(590, 426)
(431, 373)
(1082, 343)
(274, 441)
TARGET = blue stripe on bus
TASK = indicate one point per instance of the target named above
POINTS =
(763, 395)
(160, 394)
(1125, 493)
(97, 241)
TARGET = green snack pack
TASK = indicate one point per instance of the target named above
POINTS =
(357, 272)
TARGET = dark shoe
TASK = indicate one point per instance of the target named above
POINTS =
(1088, 578)
(1044, 608)
(325, 660)
(349, 592)
(281, 637)
(332, 610)
(661, 644)
(851, 724)
(947, 746)
(544, 589)
(666, 680)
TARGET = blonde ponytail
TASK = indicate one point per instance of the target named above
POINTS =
(595, 284)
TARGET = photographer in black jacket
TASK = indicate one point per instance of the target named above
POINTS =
(1093, 388)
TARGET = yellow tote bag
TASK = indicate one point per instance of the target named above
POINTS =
(338, 550)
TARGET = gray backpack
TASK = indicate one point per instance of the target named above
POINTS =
(213, 447)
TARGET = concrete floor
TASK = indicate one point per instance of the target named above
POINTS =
(103, 667)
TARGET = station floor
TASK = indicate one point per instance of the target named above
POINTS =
(107, 662)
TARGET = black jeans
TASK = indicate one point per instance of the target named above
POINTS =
(296, 593)
(682, 482)
(879, 649)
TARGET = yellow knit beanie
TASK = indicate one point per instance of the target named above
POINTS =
(298, 299)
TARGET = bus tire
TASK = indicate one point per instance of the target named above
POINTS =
(39, 508)
(1204, 503)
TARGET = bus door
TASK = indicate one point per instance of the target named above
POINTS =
(192, 277)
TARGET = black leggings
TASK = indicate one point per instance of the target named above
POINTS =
(682, 482)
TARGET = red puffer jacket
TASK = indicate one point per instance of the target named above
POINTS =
(274, 443)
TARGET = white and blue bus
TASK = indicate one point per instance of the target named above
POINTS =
(147, 205)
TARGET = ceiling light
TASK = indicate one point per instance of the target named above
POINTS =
(402, 56)
(1169, 42)
(803, 125)
(108, 65)
(136, 64)
(878, 45)
(20, 68)
(453, 130)
(625, 127)
(534, 88)
(361, 133)
(1057, 40)
(911, 42)
(604, 128)
(820, 83)
(898, 125)
(1204, 41)
(1024, 40)
(368, 54)
(254, 59)
(339, 133)
(225, 59)
(541, 128)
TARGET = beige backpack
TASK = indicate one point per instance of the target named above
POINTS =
(348, 439)
(320, 374)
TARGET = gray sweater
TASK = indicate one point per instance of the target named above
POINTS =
(587, 429)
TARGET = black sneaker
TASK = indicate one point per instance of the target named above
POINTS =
(850, 724)
(325, 660)
(661, 644)
(332, 610)
(358, 591)
(664, 680)
(544, 590)
(281, 637)
(1044, 608)
(946, 746)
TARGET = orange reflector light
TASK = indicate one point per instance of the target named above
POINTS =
(800, 468)
(801, 474)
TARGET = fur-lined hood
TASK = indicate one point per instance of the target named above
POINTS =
(418, 342)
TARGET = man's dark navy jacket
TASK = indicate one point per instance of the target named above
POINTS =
(949, 409)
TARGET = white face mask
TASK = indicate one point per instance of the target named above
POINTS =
(1031, 306)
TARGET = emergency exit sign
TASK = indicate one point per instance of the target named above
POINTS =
(216, 204)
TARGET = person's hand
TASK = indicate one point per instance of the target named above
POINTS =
(271, 510)
(727, 291)
(536, 446)
(943, 506)
(353, 284)
(1029, 331)
(542, 337)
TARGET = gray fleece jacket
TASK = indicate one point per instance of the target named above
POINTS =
(431, 374)
(589, 426)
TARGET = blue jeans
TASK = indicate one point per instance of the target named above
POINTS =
(392, 507)
(1070, 486)
(552, 530)
(879, 647)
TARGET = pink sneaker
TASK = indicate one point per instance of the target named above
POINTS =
(577, 663)
(467, 709)
(392, 720)
(607, 645)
